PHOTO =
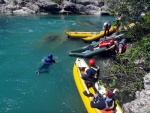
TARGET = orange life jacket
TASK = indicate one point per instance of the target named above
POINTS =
(105, 43)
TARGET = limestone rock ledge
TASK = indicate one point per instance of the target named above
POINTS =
(142, 102)
(87, 7)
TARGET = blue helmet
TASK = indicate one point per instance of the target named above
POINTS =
(50, 56)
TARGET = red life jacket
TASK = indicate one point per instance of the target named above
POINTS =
(110, 111)
(105, 43)
(124, 48)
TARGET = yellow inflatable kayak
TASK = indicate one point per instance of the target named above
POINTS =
(95, 37)
(79, 67)
(112, 30)
(80, 34)
(126, 28)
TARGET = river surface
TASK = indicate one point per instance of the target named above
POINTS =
(24, 42)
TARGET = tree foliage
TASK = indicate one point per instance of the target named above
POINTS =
(130, 9)
(124, 72)
(57, 1)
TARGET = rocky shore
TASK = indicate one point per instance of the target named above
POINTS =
(142, 102)
(87, 7)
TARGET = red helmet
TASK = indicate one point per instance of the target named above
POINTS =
(109, 94)
(92, 62)
(112, 41)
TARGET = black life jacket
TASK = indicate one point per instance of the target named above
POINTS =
(109, 107)
(96, 68)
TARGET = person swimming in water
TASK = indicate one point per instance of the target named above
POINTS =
(47, 62)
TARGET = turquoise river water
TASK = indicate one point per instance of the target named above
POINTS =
(24, 42)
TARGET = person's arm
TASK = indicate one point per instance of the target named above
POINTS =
(92, 103)
(85, 71)
(53, 61)
(87, 74)
(111, 47)
(43, 60)
(99, 105)
(115, 90)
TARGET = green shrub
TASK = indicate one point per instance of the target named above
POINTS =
(57, 1)
(127, 76)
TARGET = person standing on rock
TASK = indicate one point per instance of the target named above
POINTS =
(106, 28)
(118, 19)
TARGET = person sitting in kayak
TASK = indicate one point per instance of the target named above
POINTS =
(107, 103)
(91, 75)
(47, 62)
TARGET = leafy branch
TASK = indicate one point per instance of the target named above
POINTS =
(124, 73)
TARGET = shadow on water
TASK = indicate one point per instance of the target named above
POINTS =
(51, 38)
(87, 23)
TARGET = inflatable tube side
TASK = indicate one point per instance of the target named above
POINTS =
(100, 35)
(77, 54)
(96, 52)
(80, 49)
(91, 53)
(80, 34)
